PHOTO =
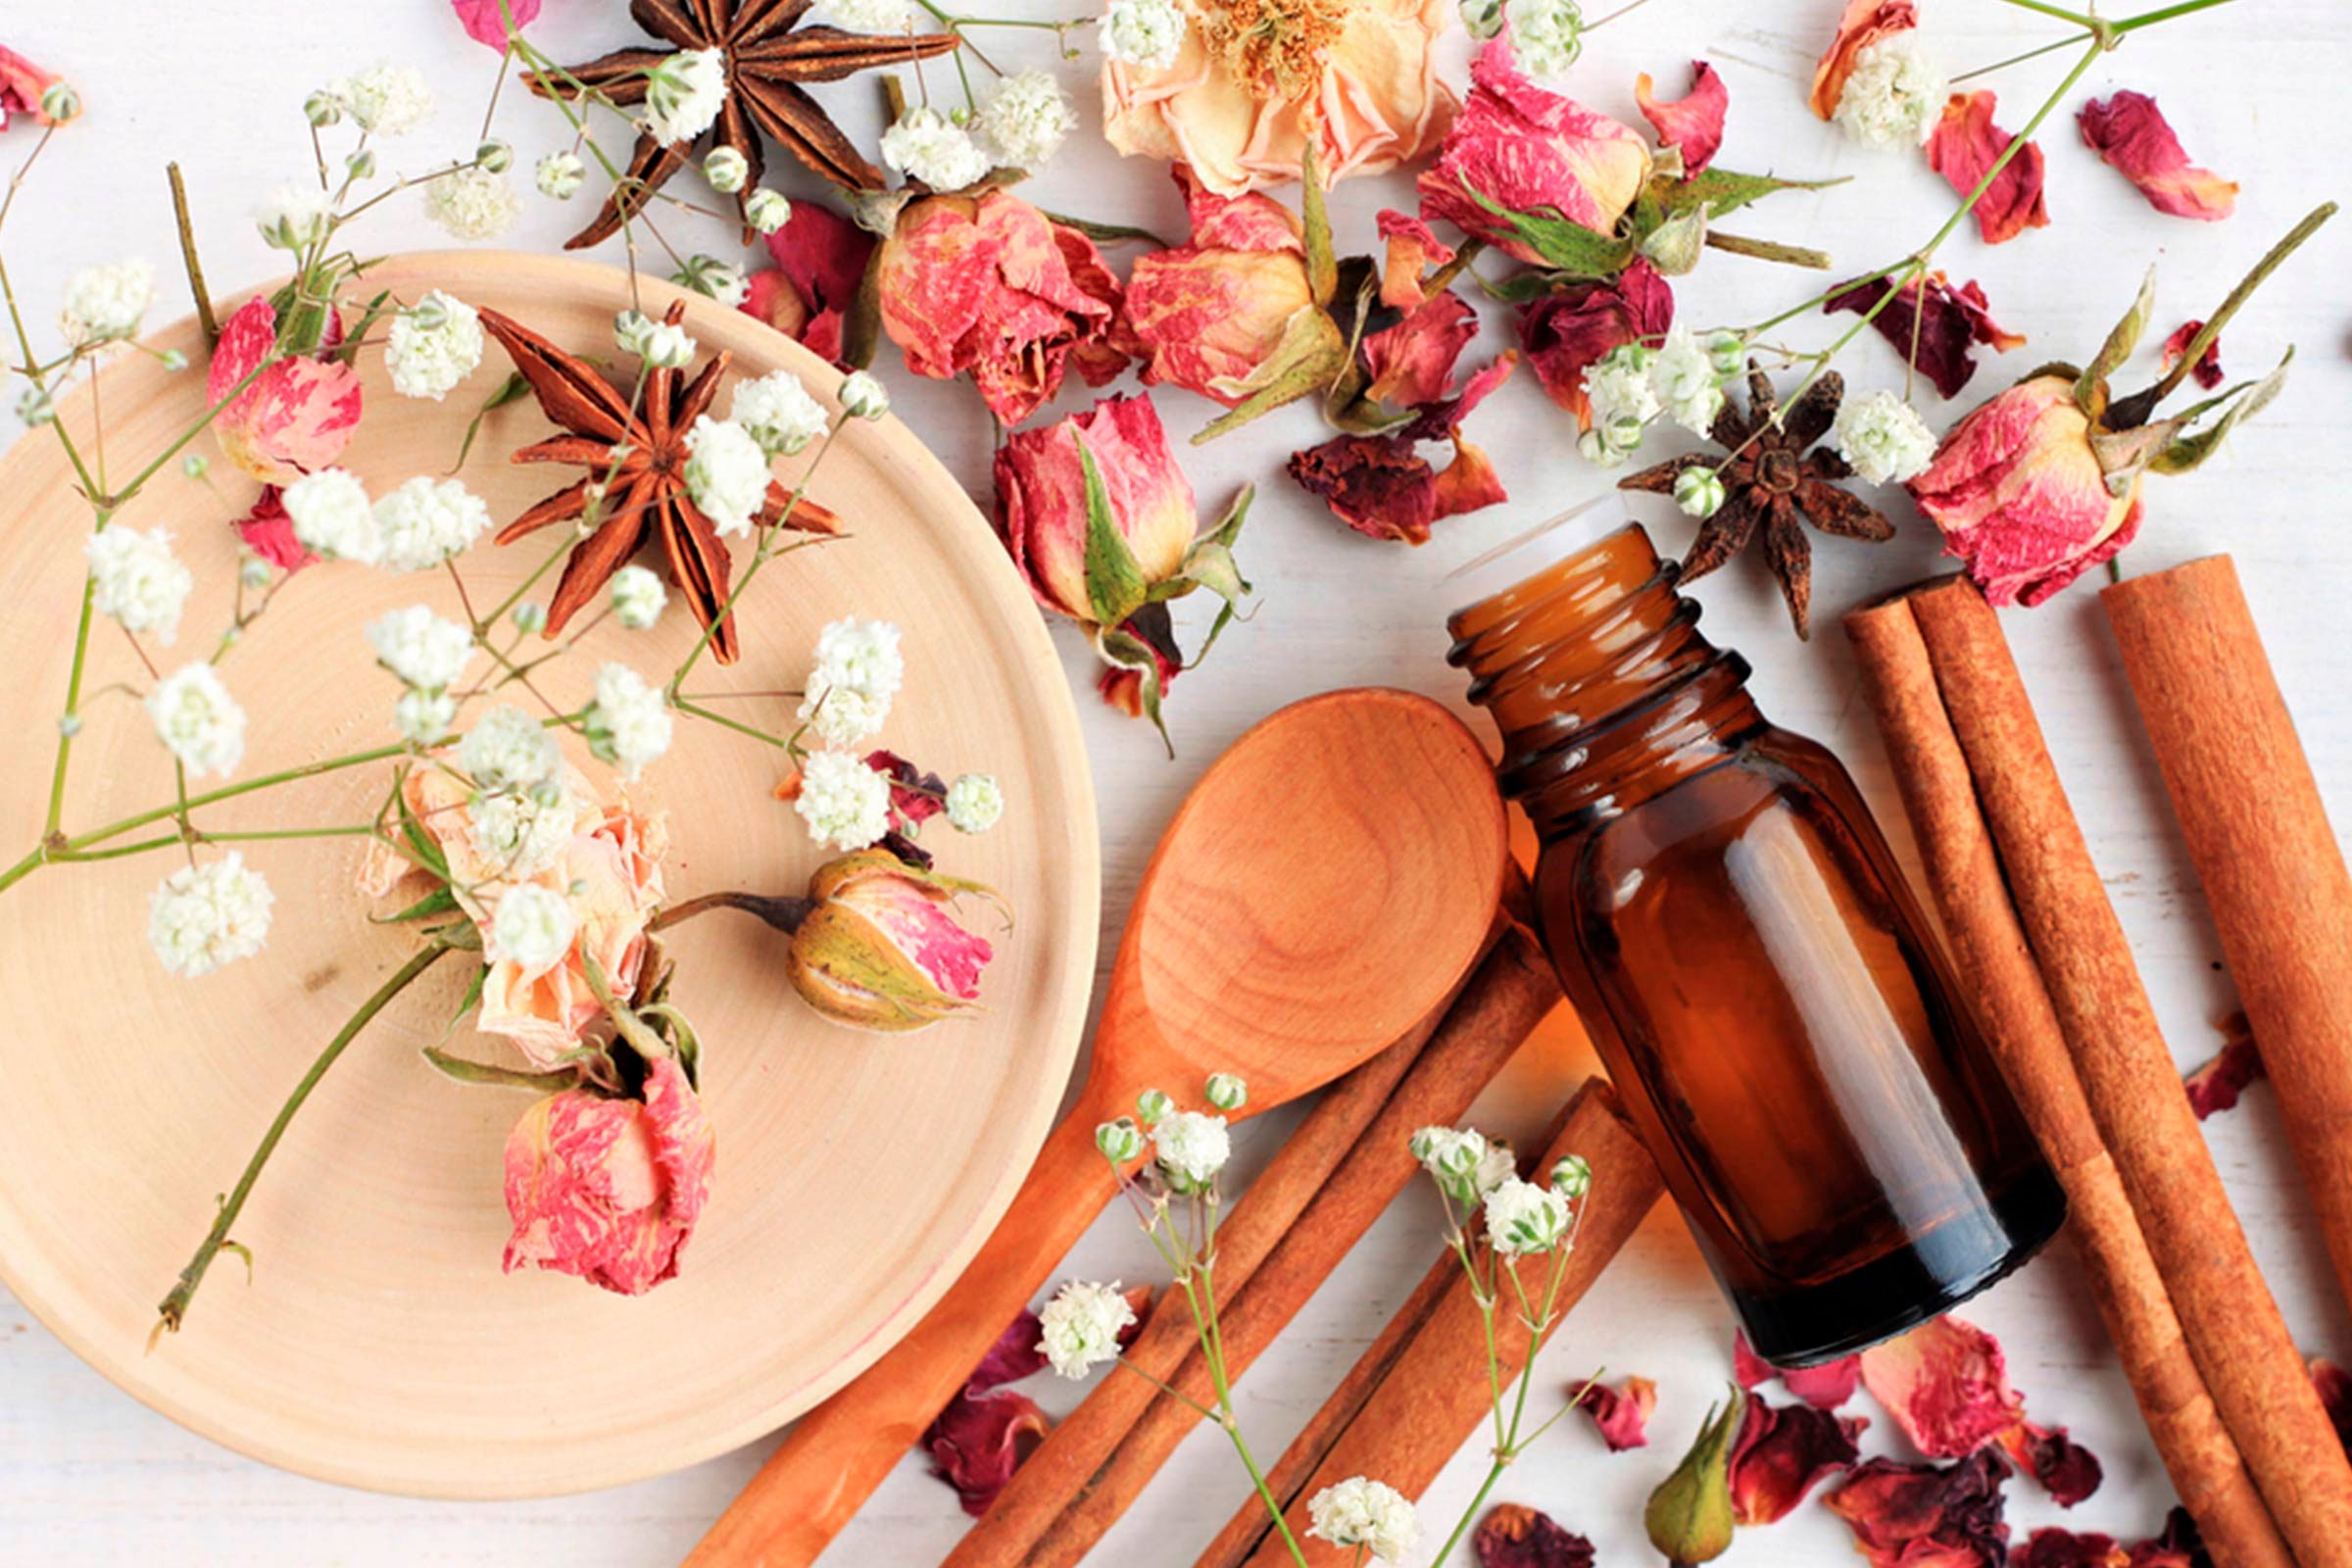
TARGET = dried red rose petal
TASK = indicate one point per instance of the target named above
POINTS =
(270, 534)
(1950, 325)
(2068, 1471)
(1411, 363)
(978, 1443)
(1783, 1453)
(1515, 1537)
(2207, 372)
(916, 797)
(1947, 1385)
(2129, 134)
(1965, 144)
(2216, 1085)
(1825, 1386)
(2335, 1394)
(1927, 1516)
(1864, 24)
(820, 260)
(1413, 247)
(1694, 121)
(1621, 1413)
(1383, 488)
(1565, 335)
(2177, 1545)
(2064, 1549)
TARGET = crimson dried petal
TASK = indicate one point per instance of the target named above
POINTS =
(820, 260)
(1411, 363)
(979, 1441)
(1622, 1413)
(2068, 1471)
(484, 21)
(2129, 134)
(1567, 333)
(270, 534)
(916, 797)
(2064, 1549)
(1383, 488)
(1514, 1536)
(1965, 144)
(1950, 325)
(2207, 369)
(2178, 1545)
(2335, 1386)
(1694, 121)
(2216, 1085)
(1947, 1385)
(1927, 1516)
(1783, 1453)
(1825, 1386)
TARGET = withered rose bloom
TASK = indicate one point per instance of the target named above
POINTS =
(2021, 496)
(610, 1189)
(1042, 512)
(820, 259)
(1511, 1535)
(882, 950)
(1383, 488)
(297, 415)
(990, 285)
(1568, 332)
(1210, 314)
(1256, 79)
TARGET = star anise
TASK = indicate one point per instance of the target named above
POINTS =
(767, 57)
(638, 457)
(1772, 480)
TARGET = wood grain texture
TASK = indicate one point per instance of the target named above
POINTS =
(380, 1344)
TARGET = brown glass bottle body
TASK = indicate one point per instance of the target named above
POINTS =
(1729, 923)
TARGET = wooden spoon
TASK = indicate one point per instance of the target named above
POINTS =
(1322, 888)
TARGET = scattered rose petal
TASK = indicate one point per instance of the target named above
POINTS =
(1694, 121)
(2067, 1471)
(1864, 24)
(1568, 332)
(1411, 363)
(1946, 1385)
(1514, 1536)
(1927, 1516)
(484, 25)
(1825, 1386)
(22, 84)
(1123, 689)
(270, 534)
(2207, 369)
(1956, 321)
(295, 417)
(915, 797)
(820, 260)
(1413, 248)
(1621, 1413)
(1965, 144)
(1382, 487)
(2335, 1394)
(1013, 1357)
(977, 1442)
(2129, 134)
(1783, 1453)
(2064, 1549)
(2177, 1545)
(2217, 1084)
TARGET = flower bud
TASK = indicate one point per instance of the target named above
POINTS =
(34, 408)
(361, 165)
(1727, 352)
(60, 103)
(323, 109)
(253, 571)
(1153, 1105)
(1122, 1142)
(610, 1189)
(560, 176)
(1593, 447)
(429, 313)
(1227, 1092)
(1690, 1515)
(69, 724)
(726, 170)
(1482, 18)
(709, 275)
(529, 615)
(629, 329)
(1572, 1177)
(880, 949)
(494, 156)
(1623, 432)
(195, 465)
(864, 396)
(173, 361)
(667, 347)
(767, 210)
(1699, 491)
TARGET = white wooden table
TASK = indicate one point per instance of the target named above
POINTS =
(87, 1475)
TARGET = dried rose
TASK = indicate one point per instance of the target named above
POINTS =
(1863, 24)
(293, 418)
(2207, 372)
(2019, 493)
(2129, 134)
(1137, 688)
(979, 1441)
(985, 285)
(1965, 144)
(1411, 248)
(1693, 122)
(1622, 1414)
(1927, 1516)
(1514, 1536)
(1688, 1517)
(608, 1188)
(1219, 313)
(1825, 1386)
(2068, 1471)
(2216, 1086)
(1567, 332)
(1932, 324)
(820, 261)
(1520, 154)
(881, 949)
(1946, 1383)
(22, 87)
(1382, 487)
(1253, 86)
(1783, 1453)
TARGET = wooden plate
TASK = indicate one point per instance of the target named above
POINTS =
(378, 1344)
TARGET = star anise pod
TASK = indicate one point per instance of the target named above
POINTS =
(767, 57)
(1773, 480)
(638, 457)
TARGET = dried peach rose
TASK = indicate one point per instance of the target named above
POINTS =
(1212, 314)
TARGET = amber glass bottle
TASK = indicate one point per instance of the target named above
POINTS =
(1728, 920)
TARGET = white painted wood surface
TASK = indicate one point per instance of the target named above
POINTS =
(2257, 90)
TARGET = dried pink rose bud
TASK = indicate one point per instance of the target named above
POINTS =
(1042, 510)
(1213, 315)
(296, 417)
(882, 950)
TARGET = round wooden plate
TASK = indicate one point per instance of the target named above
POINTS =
(378, 1344)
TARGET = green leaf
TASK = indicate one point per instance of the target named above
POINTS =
(1127, 651)
(1723, 190)
(473, 994)
(1675, 245)
(1322, 269)
(427, 852)
(509, 391)
(688, 1043)
(493, 1076)
(1521, 287)
(349, 353)
(1106, 234)
(2091, 387)
(1568, 246)
(441, 901)
(1115, 581)
(2190, 451)
(1309, 356)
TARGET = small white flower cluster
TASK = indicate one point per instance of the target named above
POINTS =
(660, 345)
(560, 176)
(712, 278)
(871, 15)
(135, 578)
(107, 304)
(638, 597)
(1623, 401)
(1466, 1165)
(1027, 119)
(197, 720)
(864, 396)
(509, 751)
(683, 94)
(532, 927)
(204, 916)
(472, 204)
(1079, 1329)
(1524, 1218)
(844, 803)
(1680, 380)
(294, 217)
(929, 146)
(726, 471)
(975, 803)
(858, 674)
(427, 652)
(420, 525)
(629, 723)
(778, 412)
(1883, 438)
(432, 346)
(1546, 37)
(1893, 96)
(523, 834)
(385, 100)
(1149, 33)
(1369, 1514)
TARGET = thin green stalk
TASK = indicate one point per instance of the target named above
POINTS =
(2060, 12)
(724, 722)
(289, 775)
(759, 557)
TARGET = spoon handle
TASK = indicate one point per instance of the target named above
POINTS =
(838, 1453)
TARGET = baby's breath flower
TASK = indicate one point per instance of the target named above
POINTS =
(1523, 1218)
(198, 721)
(1688, 383)
(432, 346)
(496, 156)
(323, 109)
(1727, 351)
(1154, 1106)
(251, 571)
(871, 15)
(1143, 32)
(1025, 119)
(637, 597)
(1482, 18)
(778, 412)
(629, 723)
(560, 174)
(173, 361)
(861, 655)
(1572, 1176)
(1191, 1148)
(472, 204)
(1699, 492)
(532, 927)
(726, 170)
(520, 835)
(386, 100)
(1227, 1092)
(136, 580)
(422, 717)
(107, 304)
(426, 651)
(528, 616)
(1122, 1142)
(1465, 1164)
(61, 101)
(1546, 37)
(1893, 96)
(204, 916)
(844, 803)
(864, 396)
(1079, 1329)
(767, 210)
(508, 750)
(1623, 402)
(667, 347)
(712, 278)
(333, 517)
(726, 473)
(294, 217)
(1362, 1512)
(840, 716)
(427, 522)
(1883, 438)
(975, 802)
(926, 145)
(683, 95)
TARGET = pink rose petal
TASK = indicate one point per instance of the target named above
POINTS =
(1694, 121)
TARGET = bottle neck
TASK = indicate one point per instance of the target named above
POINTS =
(1595, 675)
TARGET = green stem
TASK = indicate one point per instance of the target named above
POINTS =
(1462, 1525)
(759, 557)
(723, 721)
(225, 791)
(2238, 296)
(2060, 12)
(2149, 19)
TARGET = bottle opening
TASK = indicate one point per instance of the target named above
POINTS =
(1524, 555)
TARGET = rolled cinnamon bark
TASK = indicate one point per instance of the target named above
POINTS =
(1098, 1458)
(2257, 829)
(1421, 1390)
(2233, 1328)
(2014, 1011)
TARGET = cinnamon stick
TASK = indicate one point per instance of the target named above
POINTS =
(1421, 1390)
(2258, 833)
(2233, 1328)
(1098, 1458)
(2021, 1026)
